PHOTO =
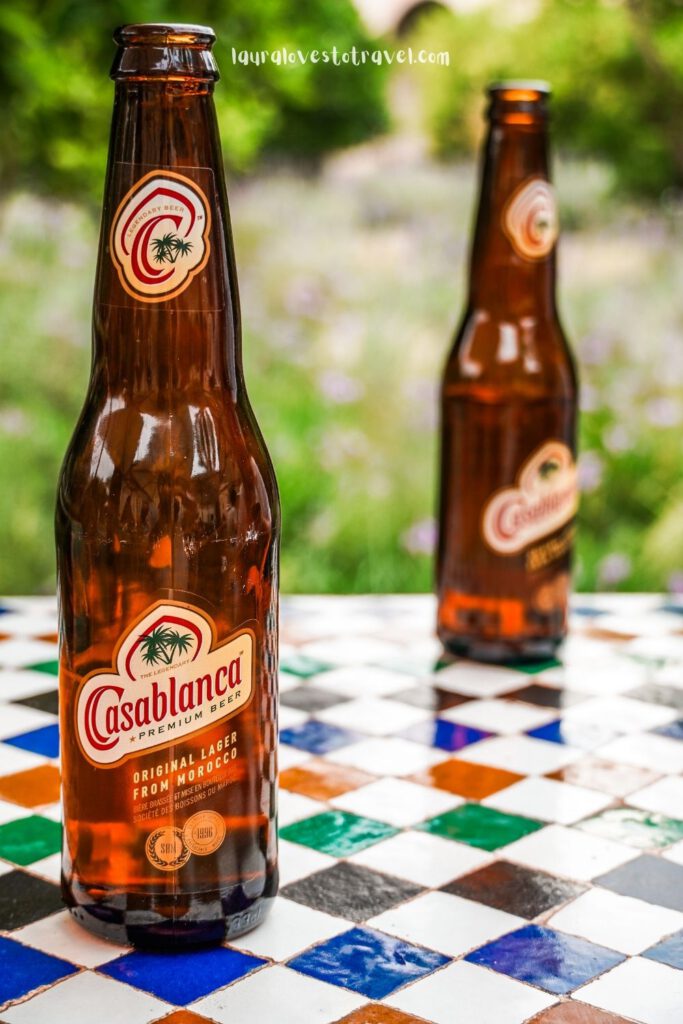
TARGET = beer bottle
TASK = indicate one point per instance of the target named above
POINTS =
(508, 407)
(167, 538)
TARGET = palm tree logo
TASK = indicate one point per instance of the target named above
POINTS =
(163, 644)
(169, 247)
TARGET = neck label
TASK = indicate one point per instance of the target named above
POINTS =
(159, 237)
(530, 219)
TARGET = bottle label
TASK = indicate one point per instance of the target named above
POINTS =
(530, 219)
(544, 498)
(159, 236)
(169, 680)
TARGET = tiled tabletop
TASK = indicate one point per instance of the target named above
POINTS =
(463, 845)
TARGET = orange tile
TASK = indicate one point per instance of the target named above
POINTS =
(576, 1013)
(183, 1017)
(32, 787)
(474, 781)
(322, 780)
(50, 638)
(375, 1013)
(615, 779)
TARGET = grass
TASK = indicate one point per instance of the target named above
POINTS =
(351, 284)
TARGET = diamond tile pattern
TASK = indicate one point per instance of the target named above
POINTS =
(504, 839)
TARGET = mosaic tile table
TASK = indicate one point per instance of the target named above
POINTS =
(472, 845)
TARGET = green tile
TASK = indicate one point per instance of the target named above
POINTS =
(480, 826)
(531, 668)
(300, 665)
(644, 829)
(29, 839)
(49, 667)
(338, 833)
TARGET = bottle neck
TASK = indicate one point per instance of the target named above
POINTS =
(166, 300)
(512, 273)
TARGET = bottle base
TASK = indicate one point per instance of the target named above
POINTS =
(499, 651)
(126, 920)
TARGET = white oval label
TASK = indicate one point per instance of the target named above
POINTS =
(160, 236)
(530, 219)
(169, 680)
(544, 498)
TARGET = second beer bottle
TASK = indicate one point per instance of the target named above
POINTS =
(508, 476)
(167, 542)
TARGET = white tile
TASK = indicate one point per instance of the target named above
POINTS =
(357, 651)
(501, 716)
(289, 928)
(294, 807)
(73, 1001)
(476, 680)
(566, 851)
(522, 754)
(287, 681)
(10, 812)
(618, 922)
(647, 750)
(48, 867)
(629, 623)
(288, 717)
(16, 719)
(656, 648)
(548, 800)
(599, 677)
(278, 994)
(376, 716)
(59, 935)
(15, 684)
(640, 989)
(13, 759)
(422, 858)
(621, 714)
(583, 650)
(675, 853)
(17, 653)
(291, 757)
(388, 756)
(296, 861)
(664, 796)
(5, 868)
(484, 996)
(449, 924)
(25, 624)
(361, 681)
(397, 802)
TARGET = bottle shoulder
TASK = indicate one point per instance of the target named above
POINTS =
(524, 355)
(150, 450)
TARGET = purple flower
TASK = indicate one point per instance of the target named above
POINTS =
(663, 412)
(618, 439)
(590, 471)
(339, 388)
(675, 582)
(420, 538)
(613, 569)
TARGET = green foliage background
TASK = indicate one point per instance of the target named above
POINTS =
(352, 264)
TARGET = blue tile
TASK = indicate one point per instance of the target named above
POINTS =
(43, 741)
(318, 737)
(550, 960)
(585, 735)
(553, 732)
(180, 978)
(22, 969)
(674, 730)
(668, 951)
(445, 735)
(368, 962)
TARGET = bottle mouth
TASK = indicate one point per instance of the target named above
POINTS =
(518, 101)
(170, 51)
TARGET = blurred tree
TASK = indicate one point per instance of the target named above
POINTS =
(57, 97)
(616, 68)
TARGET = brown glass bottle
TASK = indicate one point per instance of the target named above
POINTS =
(508, 478)
(167, 541)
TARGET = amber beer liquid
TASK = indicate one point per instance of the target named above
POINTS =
(167, 541)
(508, 474)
